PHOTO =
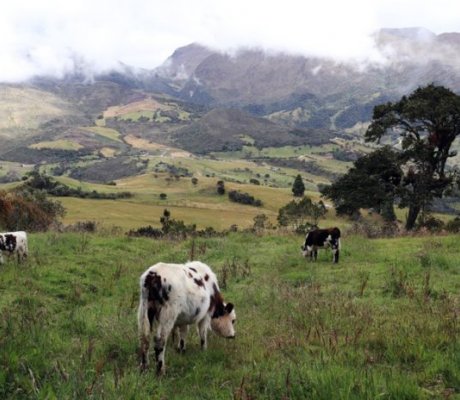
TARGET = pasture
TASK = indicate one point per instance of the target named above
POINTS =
(383, 323)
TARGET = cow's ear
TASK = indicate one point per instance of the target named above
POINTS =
(229, 307)
(219, 311)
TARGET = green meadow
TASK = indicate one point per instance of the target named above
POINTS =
(381, 324)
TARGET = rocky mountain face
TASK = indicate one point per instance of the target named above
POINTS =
(311, 91)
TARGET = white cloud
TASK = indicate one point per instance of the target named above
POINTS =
(47, 36)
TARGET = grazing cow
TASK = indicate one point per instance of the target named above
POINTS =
(175, 296)
(322, 239)
(13, 243)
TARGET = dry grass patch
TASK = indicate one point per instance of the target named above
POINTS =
(63, 144)
(135, 107)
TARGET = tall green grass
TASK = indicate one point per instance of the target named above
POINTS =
(383, 323)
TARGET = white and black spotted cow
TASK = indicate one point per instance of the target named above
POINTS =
(322, 239)
(174, 296)
(13, 243)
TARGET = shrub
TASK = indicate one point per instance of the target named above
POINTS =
(453, 225)
(244, 198)
(220, 187)
(432, 224)
(146, 231)
(29, 210)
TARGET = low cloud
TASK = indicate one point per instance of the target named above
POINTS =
(52, 37)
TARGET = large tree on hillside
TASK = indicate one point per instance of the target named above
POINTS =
(427, 122)
(372, 182)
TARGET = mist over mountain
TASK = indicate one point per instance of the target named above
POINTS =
(275, 98)
(268, 83)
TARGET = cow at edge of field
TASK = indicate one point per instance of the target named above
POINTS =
(322, 239)
(13, 243)
(175, 296)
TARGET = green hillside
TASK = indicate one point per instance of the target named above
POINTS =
(383, 323)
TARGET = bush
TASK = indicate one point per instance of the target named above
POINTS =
(244, 198)
(82, 226)
(432, 224)
(29, 210)
(453, 225)
(146, 231)
(220, 187)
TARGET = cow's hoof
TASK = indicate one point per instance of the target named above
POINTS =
(160, 369)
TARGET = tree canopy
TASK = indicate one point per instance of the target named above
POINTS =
(372, 182)
(424, 125)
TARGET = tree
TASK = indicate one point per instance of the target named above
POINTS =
(298, 188)
(299, 214)
(428, 122)
(372, 182)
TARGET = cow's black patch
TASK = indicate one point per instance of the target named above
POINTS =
(197, 311)
(206, 277)
(8, 242)
(193, 269)
(199, 282)
(156, 291)
(151, 312)
(216, 303)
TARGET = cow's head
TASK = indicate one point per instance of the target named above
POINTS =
(306, 250)
(223, 321)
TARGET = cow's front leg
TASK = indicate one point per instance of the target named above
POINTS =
(315, 254)
(203, 331)
(183, 330)
(335, 256)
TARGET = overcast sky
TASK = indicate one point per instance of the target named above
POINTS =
(47, 36)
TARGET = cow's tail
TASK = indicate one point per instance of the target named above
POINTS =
(143, 322)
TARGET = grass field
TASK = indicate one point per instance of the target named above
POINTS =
(382, 324)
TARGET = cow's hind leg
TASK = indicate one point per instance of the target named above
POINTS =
(183, 330)
(165, 327)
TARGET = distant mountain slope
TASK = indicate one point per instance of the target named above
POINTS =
(24, 108)
(318, 88)
(230, 129)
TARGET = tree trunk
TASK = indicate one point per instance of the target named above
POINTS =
(414, 210)
(387, 211)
